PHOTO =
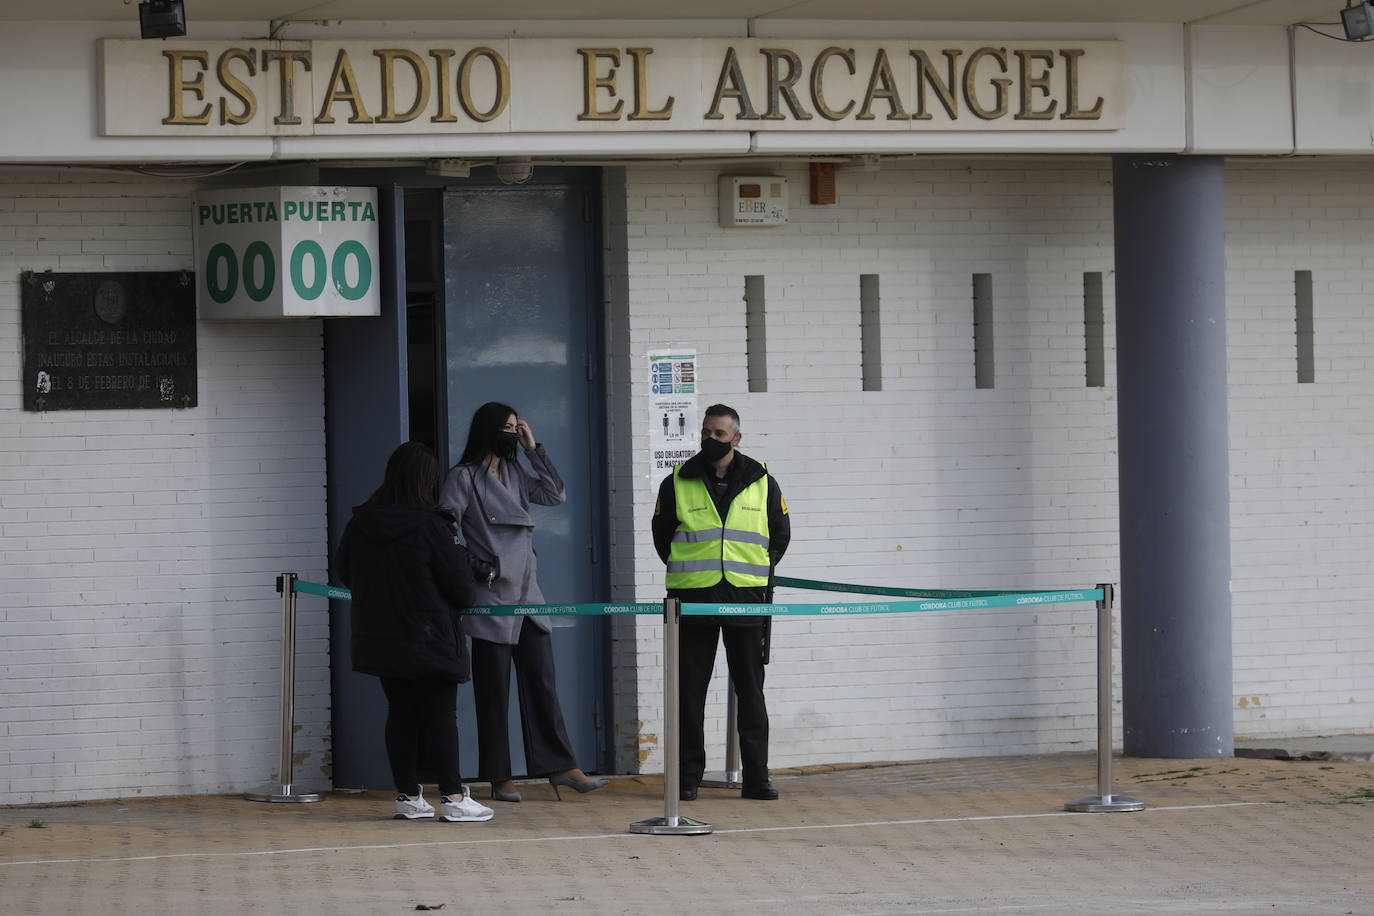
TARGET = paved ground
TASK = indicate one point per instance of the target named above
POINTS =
(985, 835)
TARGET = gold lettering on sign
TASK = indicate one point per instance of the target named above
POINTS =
(641, 73)
(1071, 110)
(233, 87)
(882, 85)
(591, 82)
(388, 58)
(178, 85)
(818, 74)
(445, 114)
(944, 89)
(236, 87)
(502, 73)
(782, 87)
(1039, 83)
(736, 89)
(999, 84)
(343, 87)
(287, 82)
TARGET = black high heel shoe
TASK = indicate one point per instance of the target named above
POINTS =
(582, 786)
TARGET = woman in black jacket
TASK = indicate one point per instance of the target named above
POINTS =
(408, 576)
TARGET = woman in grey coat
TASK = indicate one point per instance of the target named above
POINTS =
(489, 492)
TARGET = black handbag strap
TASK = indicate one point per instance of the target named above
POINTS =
(481, 509)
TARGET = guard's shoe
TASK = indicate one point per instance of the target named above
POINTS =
(411, 807)
(687, 793)
(463, 808)
(764, 791)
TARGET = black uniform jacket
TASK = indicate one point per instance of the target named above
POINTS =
(408, 577)
(740, 473)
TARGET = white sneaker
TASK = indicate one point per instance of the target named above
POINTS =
(412, 808)
(463, 808)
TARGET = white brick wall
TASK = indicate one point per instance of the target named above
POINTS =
(1302, 455)
(931, 482)
(139, 629)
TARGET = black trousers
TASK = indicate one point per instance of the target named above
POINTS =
(422, 713)
(547, 748)
(744, 657)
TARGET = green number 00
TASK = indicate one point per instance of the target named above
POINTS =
(221, 252)
(308, 249)
(355, 248)
(260, 253)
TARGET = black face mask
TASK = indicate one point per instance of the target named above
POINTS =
(504, 446)
(713, 449)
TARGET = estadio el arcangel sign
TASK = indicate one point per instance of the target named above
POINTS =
(255, 88)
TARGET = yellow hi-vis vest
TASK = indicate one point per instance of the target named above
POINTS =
(703, 549)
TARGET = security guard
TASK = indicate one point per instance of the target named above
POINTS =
(721, 526)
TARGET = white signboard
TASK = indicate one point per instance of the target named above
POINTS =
(439, 86)
(674, 428)
(287, 252)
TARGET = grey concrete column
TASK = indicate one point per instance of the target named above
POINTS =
(1175, 505)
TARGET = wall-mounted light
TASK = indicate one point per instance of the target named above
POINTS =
(161, 19)
(514, 170)
(1358, 20)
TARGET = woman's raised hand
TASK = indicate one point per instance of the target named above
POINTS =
(526, 434)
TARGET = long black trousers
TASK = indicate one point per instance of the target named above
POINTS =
(547, 748)
(744, 657)
(422, 712)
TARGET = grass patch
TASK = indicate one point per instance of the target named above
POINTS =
(1167, 772)
(1174, 775)
(38, 823)
(1358, 797)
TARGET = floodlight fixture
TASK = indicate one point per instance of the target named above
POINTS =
(161, 18)
(1358, 20)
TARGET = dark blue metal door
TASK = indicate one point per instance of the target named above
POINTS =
(522, 326)
(366, 417)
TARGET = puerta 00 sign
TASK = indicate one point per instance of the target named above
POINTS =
(100, 341)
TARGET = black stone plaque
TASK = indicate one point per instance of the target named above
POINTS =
(99, 341)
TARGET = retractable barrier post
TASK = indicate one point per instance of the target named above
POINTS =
(672, 823)
(733, 776)
(285, 791)
(1104, 801)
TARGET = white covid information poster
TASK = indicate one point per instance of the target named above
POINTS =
(674, 433)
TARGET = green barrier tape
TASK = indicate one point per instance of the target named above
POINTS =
(837, 610)
(953, 602)
(324, 591)
(550, 610)
(899, 592)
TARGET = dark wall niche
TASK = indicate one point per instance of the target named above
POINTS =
(102, 341)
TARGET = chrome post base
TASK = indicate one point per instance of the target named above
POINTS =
(672, 826)
(732, 777)
(283, 793)
(725, 779)
(671, 823)
(1104, 804)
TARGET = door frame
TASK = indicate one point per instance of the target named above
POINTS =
(403, 181)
